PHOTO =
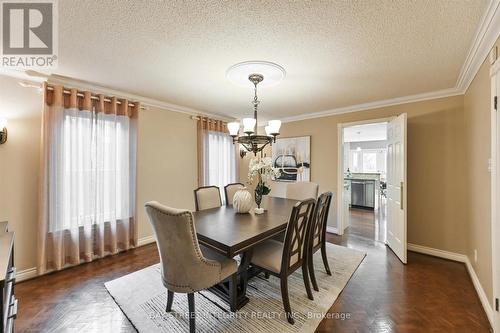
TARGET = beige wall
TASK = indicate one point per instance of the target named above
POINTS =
(19, 164)
(166, 169)
(166, 162)
(436, 166)
(477, 115)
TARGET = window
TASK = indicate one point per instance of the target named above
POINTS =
(220, 162)
(369, 162)
(91, 176)
(355, 164)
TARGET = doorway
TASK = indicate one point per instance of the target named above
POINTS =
(372, 181)
(365, 172)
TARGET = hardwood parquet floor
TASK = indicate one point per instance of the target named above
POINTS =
(426, 295)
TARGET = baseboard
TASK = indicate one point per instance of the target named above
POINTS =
(472, 273)
(145, 240)
(332, 230)
(26, 274)
(480, 292)
(437, 253)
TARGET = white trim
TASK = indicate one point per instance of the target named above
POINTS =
(26, 274)
(377, 104)
(340, 180)
(495, 246)
(480, 292)
(145, 240)
(463, 259)
(332, 230)
(486, 36)
(437, 253)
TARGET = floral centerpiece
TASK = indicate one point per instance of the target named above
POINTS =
(261, 169)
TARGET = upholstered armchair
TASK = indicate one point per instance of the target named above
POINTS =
(184, 267)
(230, 190)
(207, 197)
(317, 235)
(302, 190)
(282, 259)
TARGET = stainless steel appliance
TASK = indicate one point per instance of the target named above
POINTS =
(363, 193)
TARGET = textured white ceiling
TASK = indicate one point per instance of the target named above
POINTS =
(367, 132)
(336, 53)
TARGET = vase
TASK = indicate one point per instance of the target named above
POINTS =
(258, 201)
(242, 201)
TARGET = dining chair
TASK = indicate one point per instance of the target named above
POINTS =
(230, 190)
(282, 259)
(302, 190)
(184, 267)
(207, 197)
(317, 235)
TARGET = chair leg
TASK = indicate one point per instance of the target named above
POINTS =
(325, 259)
(286, 300)
(310, 265)
(305, 276)
(192, 319)
(266, 275)
(233, 291)
(170, 300)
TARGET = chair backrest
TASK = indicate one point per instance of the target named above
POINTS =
(230, 190)
(294, 246)
(207, 197)
(320, 218)
(302, 190)
(184, 268)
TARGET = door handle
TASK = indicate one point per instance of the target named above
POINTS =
(401, 198)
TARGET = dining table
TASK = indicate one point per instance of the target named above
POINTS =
(231, 234)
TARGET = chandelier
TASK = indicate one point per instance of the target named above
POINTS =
(250, 140)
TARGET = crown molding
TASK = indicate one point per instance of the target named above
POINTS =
(486, 36)
(37, 78)
(146, 101)
(377, 104)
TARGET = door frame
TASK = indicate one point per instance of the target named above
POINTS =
(495, 192)
(340, 163)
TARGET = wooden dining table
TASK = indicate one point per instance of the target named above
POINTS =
(229, 233)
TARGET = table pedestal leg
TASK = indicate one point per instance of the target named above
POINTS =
(227, 290)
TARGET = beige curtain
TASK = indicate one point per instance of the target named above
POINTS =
(204, 126)
(87, 192)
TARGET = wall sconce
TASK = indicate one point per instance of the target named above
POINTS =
(3, 130)
(243, 152)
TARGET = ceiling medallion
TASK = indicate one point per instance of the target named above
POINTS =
(254, 72)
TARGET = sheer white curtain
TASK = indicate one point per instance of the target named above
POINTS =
(88, 188)
(220, 161)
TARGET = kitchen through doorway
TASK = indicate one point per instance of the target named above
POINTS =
(364, 164)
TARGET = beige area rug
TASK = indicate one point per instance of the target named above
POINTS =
(142, 297)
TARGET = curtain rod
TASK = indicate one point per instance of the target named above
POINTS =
(79, 94)
(208, 119)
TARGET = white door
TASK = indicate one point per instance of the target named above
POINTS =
(396, 186)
